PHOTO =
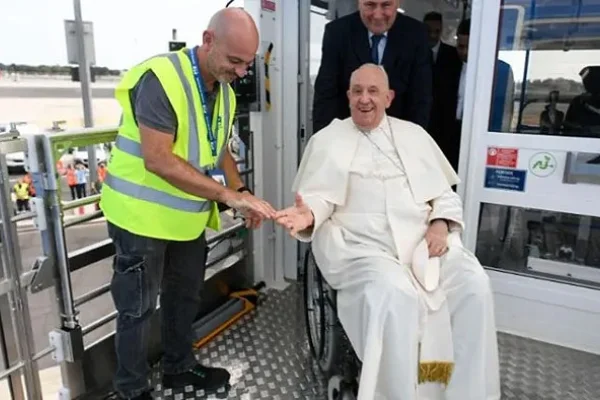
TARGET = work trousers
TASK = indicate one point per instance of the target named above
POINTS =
(23, 205)
(142, 268)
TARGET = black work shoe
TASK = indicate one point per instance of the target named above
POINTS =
(200, 377)
(143, 396)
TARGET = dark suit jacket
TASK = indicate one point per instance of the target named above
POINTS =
(406, 59)
(443, 126)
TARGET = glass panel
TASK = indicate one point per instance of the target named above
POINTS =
(547, 73)
(50, 378)
(5, 389)
(547, 244)
(14, 391)
(42, 305)
(12, 386)
(4, 383)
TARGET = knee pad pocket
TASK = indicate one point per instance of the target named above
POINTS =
(129, 286)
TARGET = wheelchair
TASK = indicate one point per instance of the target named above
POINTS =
(329, 345)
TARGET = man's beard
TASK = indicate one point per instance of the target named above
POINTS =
(225, 78)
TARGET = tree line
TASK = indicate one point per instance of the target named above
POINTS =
(53, 69)
(560, 84)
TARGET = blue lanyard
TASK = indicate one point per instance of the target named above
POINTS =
(207, 117)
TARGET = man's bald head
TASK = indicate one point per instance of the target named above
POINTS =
(230, 42)
(231, 22)
(369, 95)
(371, 71)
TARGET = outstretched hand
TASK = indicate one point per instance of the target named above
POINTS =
(252, 208)
(296, 218)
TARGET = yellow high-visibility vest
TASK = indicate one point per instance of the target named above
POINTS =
(141, 202)
(22, 191)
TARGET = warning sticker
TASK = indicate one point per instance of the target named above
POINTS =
(268, 5)
(502, 157)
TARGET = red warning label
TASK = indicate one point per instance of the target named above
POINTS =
(502, 157)
(268, 5)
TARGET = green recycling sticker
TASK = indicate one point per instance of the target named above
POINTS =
(542, 164)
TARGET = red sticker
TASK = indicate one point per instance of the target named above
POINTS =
(268, 5)
(502, 157)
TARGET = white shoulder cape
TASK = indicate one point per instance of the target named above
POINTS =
(325, 165)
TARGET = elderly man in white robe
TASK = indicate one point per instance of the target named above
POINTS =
(374, 195)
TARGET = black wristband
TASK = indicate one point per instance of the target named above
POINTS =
(244, 189)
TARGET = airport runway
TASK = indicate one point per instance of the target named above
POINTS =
(29, 87)
(23, 92)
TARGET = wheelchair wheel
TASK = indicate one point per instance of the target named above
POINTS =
(314, 305)
(338, 389)
(325, 334)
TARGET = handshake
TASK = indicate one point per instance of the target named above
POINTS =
(295, 218)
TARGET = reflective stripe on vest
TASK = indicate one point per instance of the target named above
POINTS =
(156, 196)
(134, 148)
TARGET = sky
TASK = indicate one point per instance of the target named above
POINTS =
(128, 31)
(125, 31)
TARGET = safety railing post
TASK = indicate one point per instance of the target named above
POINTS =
(67, 341)
(12, 265)
(54, 216)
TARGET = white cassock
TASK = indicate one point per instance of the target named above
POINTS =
(373, 196)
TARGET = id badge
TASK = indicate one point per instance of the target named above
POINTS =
(218, 176)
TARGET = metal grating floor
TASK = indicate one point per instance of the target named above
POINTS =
(268, 357)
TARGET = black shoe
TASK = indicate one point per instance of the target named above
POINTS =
(143, 396)
(200, 377)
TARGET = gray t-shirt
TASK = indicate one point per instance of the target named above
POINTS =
(152, 108)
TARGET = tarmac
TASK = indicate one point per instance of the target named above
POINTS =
(57, 88)
(42, 101)
(52, 92)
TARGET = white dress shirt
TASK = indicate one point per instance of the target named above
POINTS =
(461, 92)
(435, 50)
(380, 47)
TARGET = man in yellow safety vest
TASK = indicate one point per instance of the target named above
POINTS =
(22, 190)
(158, 196)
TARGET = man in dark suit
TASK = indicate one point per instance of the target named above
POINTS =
(378, 34)
(446, 77)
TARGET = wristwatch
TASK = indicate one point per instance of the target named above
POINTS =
(244, 189)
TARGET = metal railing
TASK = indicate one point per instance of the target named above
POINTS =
(56, 264)
(16, 292)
